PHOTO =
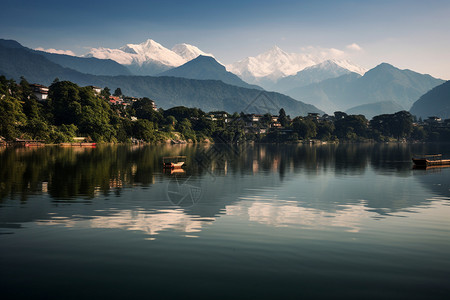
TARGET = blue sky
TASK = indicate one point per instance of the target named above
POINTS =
(408, 34)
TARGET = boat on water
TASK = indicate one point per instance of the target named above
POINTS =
(93, 145)
(80, 142)
(174, 162)
(430, 160)
(28, 143)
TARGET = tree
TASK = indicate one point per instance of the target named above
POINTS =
(185, 128)
(144, 130)
(144, 110)
(304, 127)
(402, 124)
(118, 92)
(398, 125)
(282, 118)
(325, 130)
(105, 93)
(64, 100)
(11, 116)
(351, 127)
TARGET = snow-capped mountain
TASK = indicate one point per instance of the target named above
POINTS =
(189, 52)
(346, 64)
(274, 64)
(153, 51)
(149, 57)
(322, 71)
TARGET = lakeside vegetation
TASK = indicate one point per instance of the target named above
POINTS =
(73, 111)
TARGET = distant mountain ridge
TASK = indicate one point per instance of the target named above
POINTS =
(374, 109)
(149, 57)
(85, 65)
(380, 84)
(274, 64)
(434, 103)
(207, 68)
(317, 73)
(17, 61)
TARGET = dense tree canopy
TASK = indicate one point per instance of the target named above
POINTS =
(73, 111)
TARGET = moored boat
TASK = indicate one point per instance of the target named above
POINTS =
(174, 162)
(28, 143)
(430, 160)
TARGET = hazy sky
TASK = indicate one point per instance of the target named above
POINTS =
(408, 34)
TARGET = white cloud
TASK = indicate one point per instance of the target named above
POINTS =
(51, 50)
(354, 47)
(323, 53)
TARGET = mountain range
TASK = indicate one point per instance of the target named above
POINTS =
(207, 68)
(317, 73)
(149, 57)
(209, 95)
(330, 85)
(379, 85)
(268, 67)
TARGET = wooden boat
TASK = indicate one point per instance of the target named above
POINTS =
(28, 143)
(430, 160)
(174, 162)
(78, 145)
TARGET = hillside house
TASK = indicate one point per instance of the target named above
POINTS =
(115, 100)
(97, 90)
(313, 116)
(40, 91)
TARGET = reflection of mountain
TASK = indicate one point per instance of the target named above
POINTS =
(278, 185)
(436, 180)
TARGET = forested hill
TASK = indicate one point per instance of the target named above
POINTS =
(434, 103)
(207, 95)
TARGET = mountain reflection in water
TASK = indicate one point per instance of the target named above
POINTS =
(241, 222)
(278, 185)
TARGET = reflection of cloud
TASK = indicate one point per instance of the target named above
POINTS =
(149, 223)
(51, 50)
(287, 213)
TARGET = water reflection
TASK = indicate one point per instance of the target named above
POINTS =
(123, 187)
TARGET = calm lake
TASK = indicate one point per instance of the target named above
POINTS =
(241, 222)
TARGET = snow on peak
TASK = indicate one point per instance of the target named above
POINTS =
(273, 63)
(148, 51)
(153, 51)
(346, 64)
(276, 63)
(189, 52)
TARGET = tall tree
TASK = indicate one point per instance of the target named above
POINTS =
(118, 92)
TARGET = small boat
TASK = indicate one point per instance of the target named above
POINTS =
(80, 142)
(430, 160)
(174, 162)
(28, 143)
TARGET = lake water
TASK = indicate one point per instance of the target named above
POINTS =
(242, 222)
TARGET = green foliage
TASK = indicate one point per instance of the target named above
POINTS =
(398, 125)
(105, 93)
(144, 130)
(11, 112)
(351, 127)
(185, 128)
(304, 127)
(77, 111)
(182, 112)
(282, 118)
(118, 92)
(144, 110)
